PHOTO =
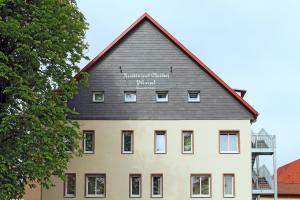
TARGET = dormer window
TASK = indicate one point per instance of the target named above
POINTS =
(194, 96)
(98, 97)
(130, 96)
(162, 96)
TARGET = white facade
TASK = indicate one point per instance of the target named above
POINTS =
(175, 166)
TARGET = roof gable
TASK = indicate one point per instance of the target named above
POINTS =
(180, 46)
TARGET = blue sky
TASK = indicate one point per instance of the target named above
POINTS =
(253, 45)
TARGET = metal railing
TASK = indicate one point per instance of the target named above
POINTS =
(262, 142)
(262, 179)
(263, 183)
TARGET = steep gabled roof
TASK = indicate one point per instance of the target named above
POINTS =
(289, 173)
(179, 45)
(289, 179)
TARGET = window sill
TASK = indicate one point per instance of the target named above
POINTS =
(188, 152)
(69, 196)
(124, 152)
(229, 196)
(201, 196)
(158, 196)
(95, 196)
(226, 152)
(88, 152)
(135, 197)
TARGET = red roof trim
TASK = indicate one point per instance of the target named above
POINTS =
(101, 54)
(182, 47)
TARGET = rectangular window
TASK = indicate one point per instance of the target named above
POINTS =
(127, 142)
(88, 141)
(130, 96)
(98, 97)
(187, 142)
(228, 181)
(201, 185)
(70, 185)
(162, 96)
(229, 142)
(135, 187)
(160, 142)
(95, 185)
(156, 185)
(194, 96)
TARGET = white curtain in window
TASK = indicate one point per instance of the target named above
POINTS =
(160, 143)
(130, 97)
(228, 185)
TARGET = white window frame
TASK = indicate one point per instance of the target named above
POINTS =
(194, 99)
(130, 186)
(232, 186)
(161, 186)
(84, 142)
(158, 132)
(162, 99)
(191, 133)
(123, 142)
(227, 133)
(94, 96)
(209, 186)
(128, 100)
(87, 185)
(66, 185)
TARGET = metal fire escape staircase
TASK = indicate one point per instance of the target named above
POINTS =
(263, 183)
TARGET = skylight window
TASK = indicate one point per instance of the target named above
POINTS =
(194, 96)
(130, 96)
(162, 96)
(98, 96)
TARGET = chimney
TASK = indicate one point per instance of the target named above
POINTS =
(240, 92)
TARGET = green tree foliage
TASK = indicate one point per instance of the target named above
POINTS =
(41, 43)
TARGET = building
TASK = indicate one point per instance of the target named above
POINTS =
(158, 123)
(32, 193)
(288, 182)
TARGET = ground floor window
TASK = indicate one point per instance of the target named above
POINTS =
(95, 185)
(156, 185)
(70, 185)
(200, 185)
(228, 181)
(135, 181)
